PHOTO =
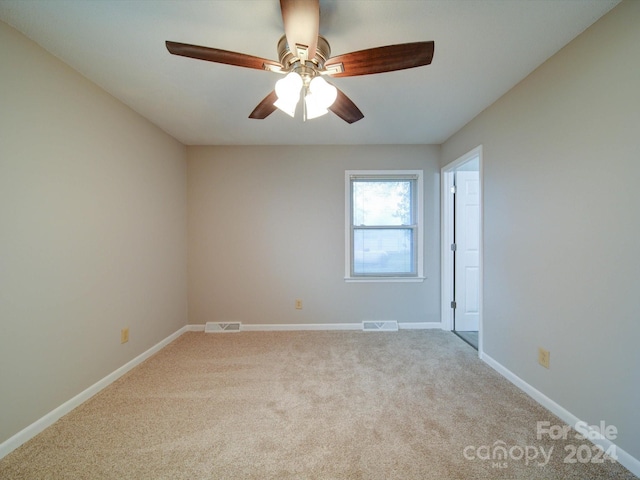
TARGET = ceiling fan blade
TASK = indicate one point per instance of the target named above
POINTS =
(383, 59)
(265, 107)
(345, 108)
(221, 56)
(301, 24)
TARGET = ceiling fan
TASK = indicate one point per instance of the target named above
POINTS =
(304, 59)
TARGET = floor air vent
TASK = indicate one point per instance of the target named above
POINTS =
(387, 326)
(216, 327)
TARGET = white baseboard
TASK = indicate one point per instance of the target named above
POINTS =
(625, 459)
(273, 327)
(50, 418)
(419, 325)
(194, 328)
(300, 326)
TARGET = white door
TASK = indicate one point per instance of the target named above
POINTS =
(467, 252)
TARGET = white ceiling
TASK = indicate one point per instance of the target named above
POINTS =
(482, 49)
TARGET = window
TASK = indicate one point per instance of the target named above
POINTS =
(384, 225)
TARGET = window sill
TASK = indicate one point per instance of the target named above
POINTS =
(384, 279)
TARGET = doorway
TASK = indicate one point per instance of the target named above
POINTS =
(462, 248)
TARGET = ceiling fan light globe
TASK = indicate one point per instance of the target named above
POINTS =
(314, 106)
(289, 87)
(288, 106)
(288, 92)
(324, 93)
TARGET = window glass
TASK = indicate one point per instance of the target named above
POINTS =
(383, 224)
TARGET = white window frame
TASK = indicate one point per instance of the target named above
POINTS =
(419, 218)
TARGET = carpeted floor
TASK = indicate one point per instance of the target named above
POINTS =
(307, 405)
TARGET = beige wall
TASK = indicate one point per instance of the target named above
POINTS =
(561, 224)
(266, 227)
(92, 233)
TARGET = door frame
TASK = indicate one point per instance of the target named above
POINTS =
(447, 225)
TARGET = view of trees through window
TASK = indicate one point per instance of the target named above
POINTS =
(383, 227)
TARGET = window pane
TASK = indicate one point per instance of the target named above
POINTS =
(383, 251)
(379, 202)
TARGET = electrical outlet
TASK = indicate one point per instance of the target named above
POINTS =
(298, 304)
(543, 357)
(124, 335)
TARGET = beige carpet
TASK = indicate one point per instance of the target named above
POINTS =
(305, 405)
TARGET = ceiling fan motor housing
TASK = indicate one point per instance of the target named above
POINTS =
(292, 62)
